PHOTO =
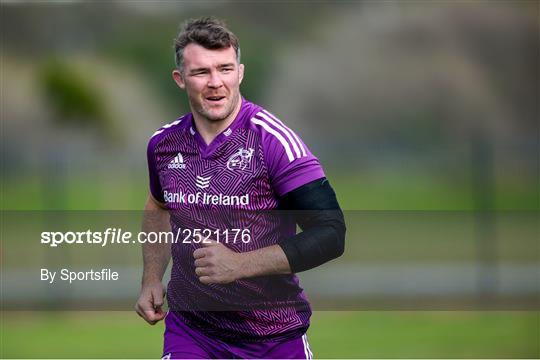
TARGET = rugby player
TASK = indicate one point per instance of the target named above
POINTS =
(231, 155)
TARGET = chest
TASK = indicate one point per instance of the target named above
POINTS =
(232, 176)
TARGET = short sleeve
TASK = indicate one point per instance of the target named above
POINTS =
(154, 182)
(290, 163)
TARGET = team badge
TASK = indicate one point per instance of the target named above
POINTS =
(240, 159)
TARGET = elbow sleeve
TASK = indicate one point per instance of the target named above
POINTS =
(318, 214)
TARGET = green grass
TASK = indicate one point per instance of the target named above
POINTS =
(425, 334)
(373, 190)
(332, 335)
(92, 192)
(417, 190)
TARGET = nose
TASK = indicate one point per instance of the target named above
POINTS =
(215, 81)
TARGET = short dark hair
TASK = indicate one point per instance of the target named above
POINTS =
(207, 32)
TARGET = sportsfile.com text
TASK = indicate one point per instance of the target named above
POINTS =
(118, 236)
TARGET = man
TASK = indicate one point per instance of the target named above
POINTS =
(230, 155)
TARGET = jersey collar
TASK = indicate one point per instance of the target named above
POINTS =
(207, 150)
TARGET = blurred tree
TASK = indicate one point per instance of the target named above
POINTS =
(73, 99)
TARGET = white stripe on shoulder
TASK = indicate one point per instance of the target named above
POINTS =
(283, 129)
(277, 135)
(292, 132)
(166, 126)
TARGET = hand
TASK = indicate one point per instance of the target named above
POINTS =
(150, 302)
(217, 264)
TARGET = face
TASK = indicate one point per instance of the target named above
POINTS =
(212, 80)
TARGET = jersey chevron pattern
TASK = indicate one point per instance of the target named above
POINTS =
(231, 184)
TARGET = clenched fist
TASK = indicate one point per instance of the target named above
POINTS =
(217, 264)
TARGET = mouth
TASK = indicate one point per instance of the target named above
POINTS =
(214, 99)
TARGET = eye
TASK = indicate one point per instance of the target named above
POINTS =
(226, 70)
(199, 73)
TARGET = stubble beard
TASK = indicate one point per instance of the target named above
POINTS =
(199, 108)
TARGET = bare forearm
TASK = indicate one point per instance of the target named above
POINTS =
(156, 256)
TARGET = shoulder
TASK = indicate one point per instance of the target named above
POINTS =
(289, 162)
(167, 129)
(276, 135)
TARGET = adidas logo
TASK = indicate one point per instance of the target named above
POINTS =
(177, 162)
(203, 182)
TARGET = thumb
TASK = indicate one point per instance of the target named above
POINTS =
(208, 243)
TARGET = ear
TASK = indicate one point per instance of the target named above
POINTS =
(240, 73)
(178, 79)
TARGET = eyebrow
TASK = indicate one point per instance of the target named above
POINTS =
(198, 70)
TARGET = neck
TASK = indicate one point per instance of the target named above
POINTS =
(209, 129)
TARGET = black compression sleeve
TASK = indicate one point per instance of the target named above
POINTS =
(318, 214)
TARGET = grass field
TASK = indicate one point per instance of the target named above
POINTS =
(332, 335)
(407, 189)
